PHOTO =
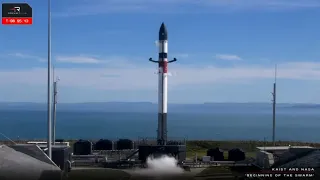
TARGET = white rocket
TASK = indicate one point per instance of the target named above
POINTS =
(163, 84)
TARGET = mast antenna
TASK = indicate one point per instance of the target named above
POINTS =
(49, 141)
(274, 101)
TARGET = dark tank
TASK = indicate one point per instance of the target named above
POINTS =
(124, 144)
(82, 147)
(103, 144)
(236, 154)
(216, 154)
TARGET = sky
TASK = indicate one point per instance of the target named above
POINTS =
(226, 50)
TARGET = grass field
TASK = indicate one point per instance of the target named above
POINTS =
(200, 147)
(110, 174)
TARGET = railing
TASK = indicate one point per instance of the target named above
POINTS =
(153, 141)
(85, 160)
(45, 143)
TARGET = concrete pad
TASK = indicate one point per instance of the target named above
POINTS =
(16, 165)
(97, 174)
(33, 151)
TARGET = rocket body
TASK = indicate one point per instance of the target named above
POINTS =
(162, 85)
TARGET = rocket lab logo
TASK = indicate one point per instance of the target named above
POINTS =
(14, 10)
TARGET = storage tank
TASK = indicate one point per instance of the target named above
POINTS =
(82, 147)
(124, 144)
(60, 156)
(236, 154)
(103, 144)
(216, 154)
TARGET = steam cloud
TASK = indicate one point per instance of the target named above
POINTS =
(163, 165)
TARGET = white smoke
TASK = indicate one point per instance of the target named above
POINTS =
(157, 43)
(163, 165)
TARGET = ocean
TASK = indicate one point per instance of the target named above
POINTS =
(294, 124)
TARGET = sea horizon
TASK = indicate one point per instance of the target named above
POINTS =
(204, 122)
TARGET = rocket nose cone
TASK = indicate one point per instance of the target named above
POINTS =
(163, 33)
(163, 26)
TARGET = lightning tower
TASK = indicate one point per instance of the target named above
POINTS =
(49, 143)
(55, 101)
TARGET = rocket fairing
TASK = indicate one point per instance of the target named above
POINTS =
(162, 84)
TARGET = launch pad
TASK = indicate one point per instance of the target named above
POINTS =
(163, 147)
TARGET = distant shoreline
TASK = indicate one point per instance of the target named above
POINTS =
(151, 107)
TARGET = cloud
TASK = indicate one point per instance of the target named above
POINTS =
(78, 60)
(228, 57)
(126, 74)
(180, 6)
(74, 59)
(27, 56)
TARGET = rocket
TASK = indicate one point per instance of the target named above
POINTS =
(162, 85)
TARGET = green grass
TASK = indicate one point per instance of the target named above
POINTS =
(200, 147)
(214, 170)
(248, 146)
